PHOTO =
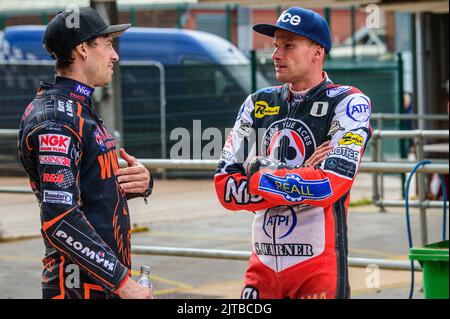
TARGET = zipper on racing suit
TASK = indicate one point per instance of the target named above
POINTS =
(292, 107)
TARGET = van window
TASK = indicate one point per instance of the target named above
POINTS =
(193, 61)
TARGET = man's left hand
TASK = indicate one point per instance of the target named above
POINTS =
(135, 178)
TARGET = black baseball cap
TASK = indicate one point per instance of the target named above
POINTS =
(63, 32)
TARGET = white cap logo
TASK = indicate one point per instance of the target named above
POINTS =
(292, 19)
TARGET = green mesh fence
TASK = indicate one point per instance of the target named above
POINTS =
(198, 97)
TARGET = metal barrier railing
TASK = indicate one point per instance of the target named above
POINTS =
(419, 136)
(365, 167)
(380, 117)
(375, 166)
(244, 255)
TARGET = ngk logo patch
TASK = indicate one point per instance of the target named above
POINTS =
(54, 143)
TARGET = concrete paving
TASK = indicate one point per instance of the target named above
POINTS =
(186, 214)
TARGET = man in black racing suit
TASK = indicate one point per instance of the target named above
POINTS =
(72, 165)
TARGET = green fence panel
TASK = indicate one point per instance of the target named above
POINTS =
(211, 94)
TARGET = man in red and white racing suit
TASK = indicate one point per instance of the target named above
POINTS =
(299, 233)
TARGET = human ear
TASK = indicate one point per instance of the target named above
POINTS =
(81, 50)
(318, 53)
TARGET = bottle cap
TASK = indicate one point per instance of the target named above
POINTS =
(145, 268)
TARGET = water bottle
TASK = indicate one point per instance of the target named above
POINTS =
(144, 277)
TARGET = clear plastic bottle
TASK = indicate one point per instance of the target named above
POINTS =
(144, 277)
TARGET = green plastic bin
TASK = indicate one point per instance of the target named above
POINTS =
(434, 261)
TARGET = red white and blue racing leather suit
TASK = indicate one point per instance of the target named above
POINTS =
(299, 233)
(71, 161)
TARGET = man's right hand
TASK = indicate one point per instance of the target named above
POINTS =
(132, 290)
(319, 155)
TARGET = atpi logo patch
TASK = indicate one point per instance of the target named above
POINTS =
(289, 141)
(263, 109)
(285, 222)
(294, 189)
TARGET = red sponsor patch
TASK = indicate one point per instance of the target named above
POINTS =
(54, 160)
(54, 143)
(28, 110)
(76, 96)
(53, 178)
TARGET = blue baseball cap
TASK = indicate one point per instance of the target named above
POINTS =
(303, 22)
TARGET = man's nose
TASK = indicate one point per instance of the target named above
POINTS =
(276, 55)
(115, 56)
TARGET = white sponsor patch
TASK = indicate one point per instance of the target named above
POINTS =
(54, 160)
(54, 143)
(337, 91)
(56, 197)
(66, 107)
(297, 239)
(358, 109)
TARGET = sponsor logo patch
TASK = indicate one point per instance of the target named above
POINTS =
(57, 197)
(226, 155)
(337, 91)
(239, 193)
(244, 130)
(82, 89)
(52, 178)
(66, 107)
(294, 189)
(358, 109)
(341, 167)
(289, 141)
(284, 223)
(288, 249)
(85, 248)
(54, 143)
(346, 153)
(288, 17)
(351, 138)
(263, 109)
(54, 160)
(28, 110)
(334, 128)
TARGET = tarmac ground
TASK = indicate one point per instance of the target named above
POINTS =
(185, 213)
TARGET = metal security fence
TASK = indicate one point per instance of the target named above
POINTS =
(208, 93)
(158, 100)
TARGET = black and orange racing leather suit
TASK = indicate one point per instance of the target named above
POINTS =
(300, 230)
(71, 161)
